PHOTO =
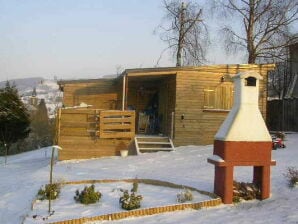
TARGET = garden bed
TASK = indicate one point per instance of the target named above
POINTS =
(155, 194)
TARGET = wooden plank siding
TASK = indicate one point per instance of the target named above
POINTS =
(82, 137)
(101, 93)
(201, 122)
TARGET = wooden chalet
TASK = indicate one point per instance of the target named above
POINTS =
(184, 104)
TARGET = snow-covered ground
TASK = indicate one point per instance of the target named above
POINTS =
(26, 173)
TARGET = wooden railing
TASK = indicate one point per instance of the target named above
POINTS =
(116, 124)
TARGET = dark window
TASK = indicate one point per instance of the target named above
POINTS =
(251, 81)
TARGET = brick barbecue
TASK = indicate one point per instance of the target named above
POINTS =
(243, 140)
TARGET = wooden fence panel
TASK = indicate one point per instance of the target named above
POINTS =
(283, 115)
(117, 124)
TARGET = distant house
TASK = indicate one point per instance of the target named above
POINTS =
(31, 103)
(186, 104)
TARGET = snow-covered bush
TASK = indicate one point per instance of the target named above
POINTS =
(184, 196)
(292, 176)
(49, 191)
(131, 201)
(88, 195)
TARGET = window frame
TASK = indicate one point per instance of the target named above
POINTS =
(219, 98)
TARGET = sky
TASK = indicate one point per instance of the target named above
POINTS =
(77, 39)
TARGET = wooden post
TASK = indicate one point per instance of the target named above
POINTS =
(172, 124)
(51, 178)
(126, 92)
(6, 153)
(51, 173)
(123, 92)
(57, 132)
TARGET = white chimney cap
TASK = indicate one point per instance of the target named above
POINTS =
(244, 75)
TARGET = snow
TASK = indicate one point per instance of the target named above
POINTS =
(216, 158)
(26, 173)
(66, 208)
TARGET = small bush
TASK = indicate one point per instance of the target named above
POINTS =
(88, 195)
(49, 191)
(131, 201)
(236, 199)
(292, 176)
(184, 196)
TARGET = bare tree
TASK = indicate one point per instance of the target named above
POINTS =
(265, 27)
(184, 31)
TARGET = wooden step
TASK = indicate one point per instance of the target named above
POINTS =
(156, 149)
(153, 144)
(151, 139)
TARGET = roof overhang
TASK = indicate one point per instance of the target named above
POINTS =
(226, 69)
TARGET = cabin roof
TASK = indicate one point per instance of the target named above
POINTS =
(206, 68)
(73, 81)
(160, 71)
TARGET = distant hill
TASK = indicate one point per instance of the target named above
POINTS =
(24, 84)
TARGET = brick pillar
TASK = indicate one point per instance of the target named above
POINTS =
(265, 182)
(257, 175)
(223, 183)
(262, 179)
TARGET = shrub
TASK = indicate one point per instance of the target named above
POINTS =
(292, 176)
(236, 199)
(49, 191)
(131, 201)
(184, 196)
(88, 195)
